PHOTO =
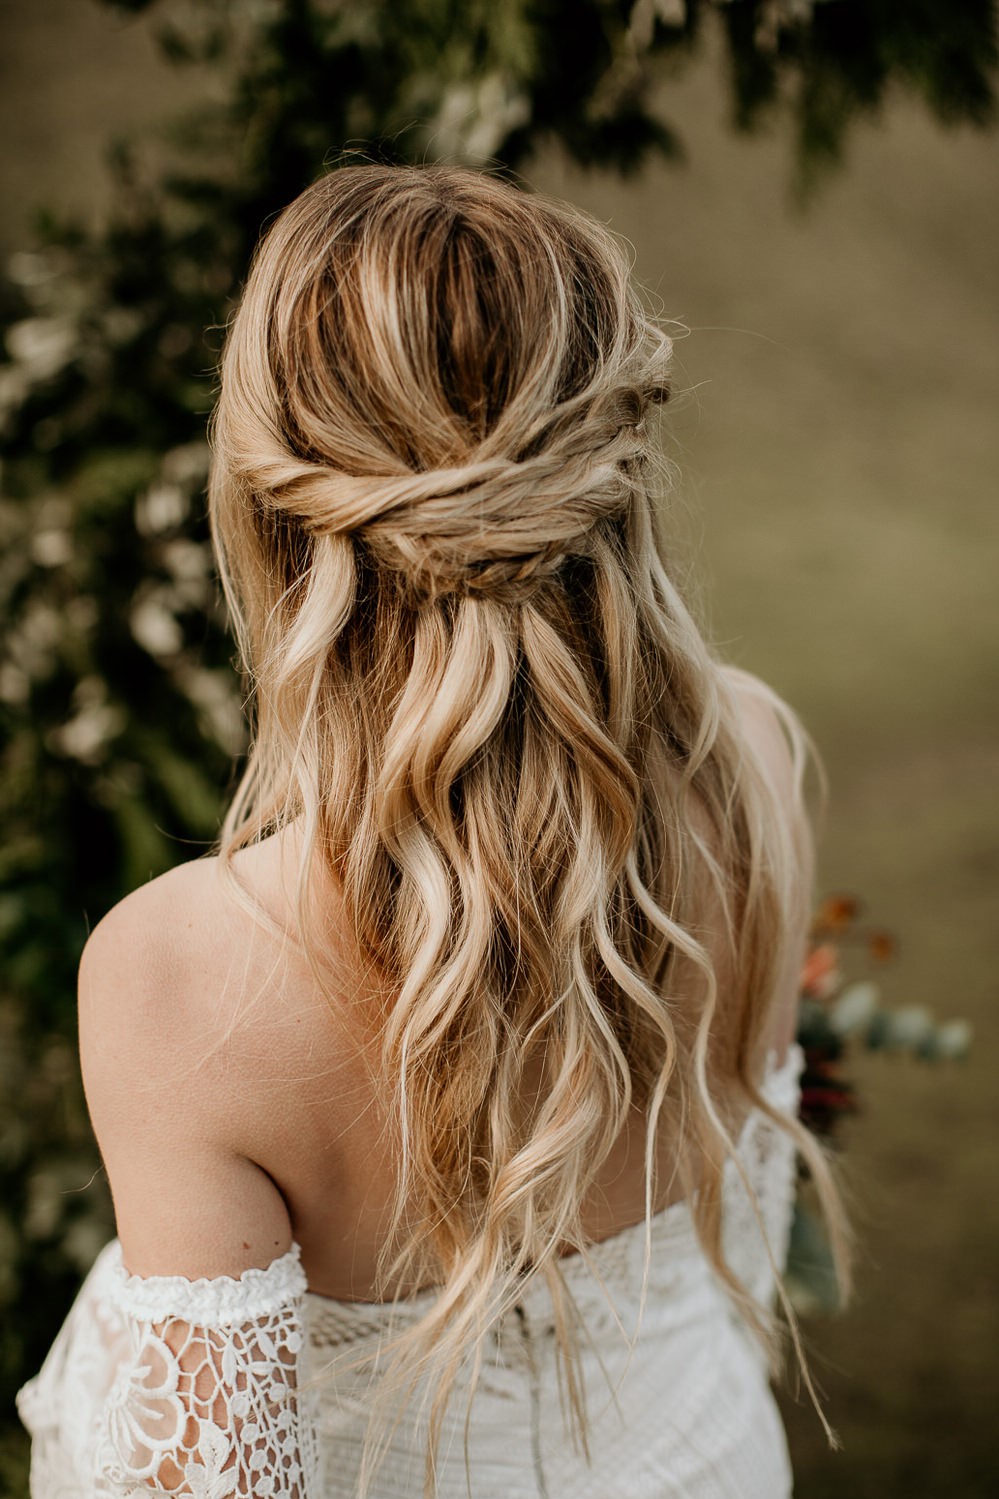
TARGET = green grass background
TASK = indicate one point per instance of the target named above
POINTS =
(837, 435)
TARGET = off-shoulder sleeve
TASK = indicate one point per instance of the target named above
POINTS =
(166, 1386)
(769, 1159)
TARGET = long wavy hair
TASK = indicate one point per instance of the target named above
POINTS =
(482, 700)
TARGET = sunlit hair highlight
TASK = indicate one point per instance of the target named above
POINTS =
(478, 692)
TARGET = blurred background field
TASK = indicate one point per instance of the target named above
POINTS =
(835, 427)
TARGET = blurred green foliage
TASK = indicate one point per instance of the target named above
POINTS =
(119, 706)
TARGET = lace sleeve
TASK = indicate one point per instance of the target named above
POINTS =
(768, 1156)
(165, 1386)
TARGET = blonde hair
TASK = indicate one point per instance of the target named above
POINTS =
(479, 693)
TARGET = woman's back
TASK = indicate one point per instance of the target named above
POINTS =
(271, 1078)
(261, 1077)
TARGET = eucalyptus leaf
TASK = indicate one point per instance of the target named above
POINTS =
(854, 1008)
(909, 1026)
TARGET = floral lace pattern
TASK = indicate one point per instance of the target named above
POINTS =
(168, 1386)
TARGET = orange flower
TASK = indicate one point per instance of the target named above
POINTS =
(837, 912)
(820, 975)
(882, 946)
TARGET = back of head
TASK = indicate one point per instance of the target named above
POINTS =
(481, 697)
(448, 372)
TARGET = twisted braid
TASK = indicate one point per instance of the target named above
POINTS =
(491, 525)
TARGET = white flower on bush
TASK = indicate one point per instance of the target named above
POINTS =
(15, 684)
(52, 547)
(33, 644)
(95, 722)
(154, 626)
(216, 696)
(42, 346)
(190, 566)
(162, 507)
(33, 268)
(187, 463)
(474, 118)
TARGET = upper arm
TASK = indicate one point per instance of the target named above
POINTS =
(775, 737)
(156, 1073)
(779, 751)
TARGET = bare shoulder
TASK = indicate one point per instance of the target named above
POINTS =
(180, 932)
(157, 920)
(172, 968)
(781, 751)
(176, 1083)
(141, 957)
(147, 1022)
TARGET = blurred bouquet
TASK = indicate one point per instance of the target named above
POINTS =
(839, 1015)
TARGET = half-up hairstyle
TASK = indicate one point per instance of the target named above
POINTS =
(481, 698)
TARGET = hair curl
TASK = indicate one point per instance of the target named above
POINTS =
(480, 694)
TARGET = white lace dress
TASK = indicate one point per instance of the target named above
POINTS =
(218, 1389)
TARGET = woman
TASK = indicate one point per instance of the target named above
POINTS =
(448, 1112)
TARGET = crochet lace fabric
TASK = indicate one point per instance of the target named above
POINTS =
(169, 1386)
